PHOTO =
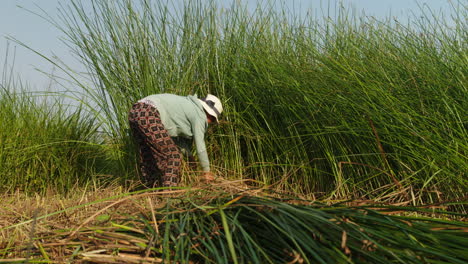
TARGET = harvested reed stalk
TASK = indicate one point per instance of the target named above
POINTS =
(225, 227)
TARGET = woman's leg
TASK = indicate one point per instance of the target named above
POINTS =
(156, 146)
(148, 168)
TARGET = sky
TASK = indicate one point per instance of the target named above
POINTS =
(19, 23)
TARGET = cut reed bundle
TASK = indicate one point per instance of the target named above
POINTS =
(208, 225)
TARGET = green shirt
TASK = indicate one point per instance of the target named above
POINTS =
(183, 116)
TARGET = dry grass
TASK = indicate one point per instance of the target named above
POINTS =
(57, 225)
(20, 209)
(101, 226)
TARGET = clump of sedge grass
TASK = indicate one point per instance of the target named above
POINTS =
(45, 145)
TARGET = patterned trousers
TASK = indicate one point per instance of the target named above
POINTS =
(160, 158)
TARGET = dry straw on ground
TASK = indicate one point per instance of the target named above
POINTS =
(113, 225)
(56, 226)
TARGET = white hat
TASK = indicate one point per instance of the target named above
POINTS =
(212, 105)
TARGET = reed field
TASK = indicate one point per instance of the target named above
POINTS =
(343, 140)
(44, 145)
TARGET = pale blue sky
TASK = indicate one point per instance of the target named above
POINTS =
(40, 35)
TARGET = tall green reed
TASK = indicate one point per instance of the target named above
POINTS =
(351, 106)
(46, 145)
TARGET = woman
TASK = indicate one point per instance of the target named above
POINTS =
(157, 120)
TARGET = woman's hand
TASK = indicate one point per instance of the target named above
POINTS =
(207, 176)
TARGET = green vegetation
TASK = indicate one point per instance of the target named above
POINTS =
(261, 230)
(351, 107)
(334, 109)
(211, 225)
(45, 144)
